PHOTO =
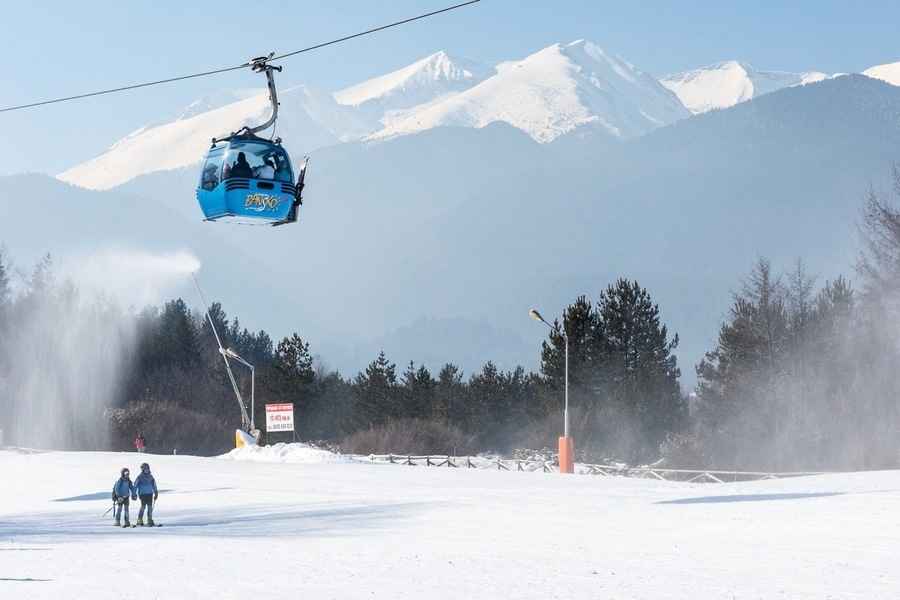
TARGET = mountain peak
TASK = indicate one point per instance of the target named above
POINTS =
(552, 92)
(422, 81)
(724, 84)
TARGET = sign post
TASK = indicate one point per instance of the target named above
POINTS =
(279, 417)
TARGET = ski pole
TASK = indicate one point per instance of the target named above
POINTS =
(109, 509)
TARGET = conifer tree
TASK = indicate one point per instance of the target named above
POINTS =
(376, 393)
(449, 395)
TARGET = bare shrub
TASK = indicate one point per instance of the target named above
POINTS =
(409, 436)
(683, 451)
(167, 427)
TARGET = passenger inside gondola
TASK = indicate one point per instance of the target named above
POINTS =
(241, 168)
(267, 170)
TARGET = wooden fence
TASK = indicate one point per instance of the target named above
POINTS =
(513, 464)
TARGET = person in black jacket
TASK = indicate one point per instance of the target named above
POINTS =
(241, 168)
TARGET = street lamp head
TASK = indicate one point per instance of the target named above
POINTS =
(536, 315)
(230, 353)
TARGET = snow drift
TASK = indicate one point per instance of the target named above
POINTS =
(295, 453)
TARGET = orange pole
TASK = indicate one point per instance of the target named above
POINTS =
(566, 455)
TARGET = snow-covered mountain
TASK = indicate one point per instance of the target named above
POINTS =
(556, 91)
(217, 100)
(426, 80)
(889, 73)
(551, 93)
(309, 118)
(727, 83)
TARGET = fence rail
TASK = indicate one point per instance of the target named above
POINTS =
(525, 465)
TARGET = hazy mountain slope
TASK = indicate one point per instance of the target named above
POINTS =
(553, 92)
(725, 84)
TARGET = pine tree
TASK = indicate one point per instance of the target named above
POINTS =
(580, 322)
(376, 393)
(293, 360)
(623, 375)
(640, 370)
(177, 343)
(418, 392)
(450, 396)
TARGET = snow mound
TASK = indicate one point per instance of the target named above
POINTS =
(889, 73)
(722, 85)
(295, 453)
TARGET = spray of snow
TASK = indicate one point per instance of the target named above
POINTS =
(131, 277)
(69, 343)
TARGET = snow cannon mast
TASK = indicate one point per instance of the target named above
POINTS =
(249, 434)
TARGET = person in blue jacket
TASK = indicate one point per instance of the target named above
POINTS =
(122, 490)
(145, 488)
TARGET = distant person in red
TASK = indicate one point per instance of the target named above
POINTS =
(140, 443)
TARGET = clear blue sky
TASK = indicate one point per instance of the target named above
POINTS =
(65, 48)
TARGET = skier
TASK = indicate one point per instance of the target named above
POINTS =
(139, 442)
(145, 488)
(122, 490)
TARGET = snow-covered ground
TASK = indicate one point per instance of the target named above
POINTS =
(321, 528)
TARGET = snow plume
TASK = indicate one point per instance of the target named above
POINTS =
(68, 342)
(131, 277)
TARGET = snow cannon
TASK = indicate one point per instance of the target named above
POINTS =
(243, 438)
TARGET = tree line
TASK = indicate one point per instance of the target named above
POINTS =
(802, 376)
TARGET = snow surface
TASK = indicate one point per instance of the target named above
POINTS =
(553, 92)
(725, 84)
(239, 529)
(284, 453)
(889, 73)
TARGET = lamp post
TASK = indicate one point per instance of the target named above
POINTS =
(566, 443)
(231, 353)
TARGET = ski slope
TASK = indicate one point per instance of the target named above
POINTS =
(319, 527)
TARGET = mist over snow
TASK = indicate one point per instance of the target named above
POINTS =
(130, 277)
(69, 337)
